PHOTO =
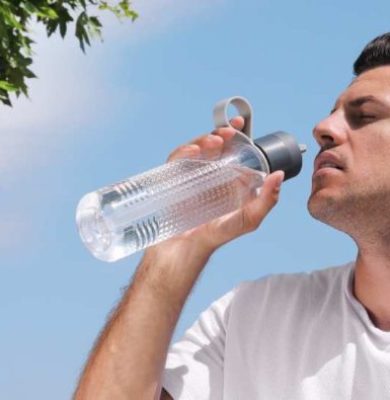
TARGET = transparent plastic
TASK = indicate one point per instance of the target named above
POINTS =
(143, 210)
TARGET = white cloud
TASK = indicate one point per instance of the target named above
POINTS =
(155, 16)
(70, 87)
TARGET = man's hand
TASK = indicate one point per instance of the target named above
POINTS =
(208, 237)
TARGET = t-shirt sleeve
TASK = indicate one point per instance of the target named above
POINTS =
(194, 366)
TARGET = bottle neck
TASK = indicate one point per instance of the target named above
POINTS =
(246, 154)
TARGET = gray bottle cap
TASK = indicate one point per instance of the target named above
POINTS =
(282, 152)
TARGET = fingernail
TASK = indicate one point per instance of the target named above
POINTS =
(280, 175)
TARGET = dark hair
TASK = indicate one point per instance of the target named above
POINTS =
(375, 54)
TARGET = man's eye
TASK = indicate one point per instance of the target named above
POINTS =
(359, 119)
(366, 117)
(362, 118)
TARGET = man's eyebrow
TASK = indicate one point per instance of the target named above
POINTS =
(359, 101)
(365, 99)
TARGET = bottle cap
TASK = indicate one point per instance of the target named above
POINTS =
(282, 153)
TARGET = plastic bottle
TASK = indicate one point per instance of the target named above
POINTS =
(135, 213)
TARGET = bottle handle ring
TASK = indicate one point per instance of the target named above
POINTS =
(244, 108)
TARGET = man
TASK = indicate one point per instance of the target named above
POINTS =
(317, 336)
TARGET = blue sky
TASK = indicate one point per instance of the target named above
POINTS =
(95, 119)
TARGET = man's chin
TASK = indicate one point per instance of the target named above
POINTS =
(331, 210)
(321, 207)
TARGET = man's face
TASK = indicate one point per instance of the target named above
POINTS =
(351, 179)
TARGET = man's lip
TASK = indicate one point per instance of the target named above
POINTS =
(328, 157)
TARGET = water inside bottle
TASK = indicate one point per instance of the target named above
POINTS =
(171, 199)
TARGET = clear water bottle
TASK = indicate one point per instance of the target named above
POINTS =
(146, 209)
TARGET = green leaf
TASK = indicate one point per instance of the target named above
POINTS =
(9, 87)
(4, 98)
(11, 20)
(47, 12)
(28, 73)
(81, 32)
(63, 19)
(51, 27)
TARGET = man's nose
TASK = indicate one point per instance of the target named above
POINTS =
(330, 131)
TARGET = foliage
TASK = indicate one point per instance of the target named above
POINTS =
(56, 16)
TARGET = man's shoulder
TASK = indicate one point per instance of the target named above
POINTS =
(310, 277)
(285, 288)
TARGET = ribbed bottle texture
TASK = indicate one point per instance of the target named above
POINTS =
(133, 214)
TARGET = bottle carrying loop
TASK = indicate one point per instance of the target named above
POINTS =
(221, 120)
(244, 108)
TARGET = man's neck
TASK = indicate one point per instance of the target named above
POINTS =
(372, 283)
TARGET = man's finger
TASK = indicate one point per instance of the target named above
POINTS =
(257, 209)
(208, 142)
(187, 150)
(238, 123)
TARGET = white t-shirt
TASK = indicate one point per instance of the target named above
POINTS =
(283, 337)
